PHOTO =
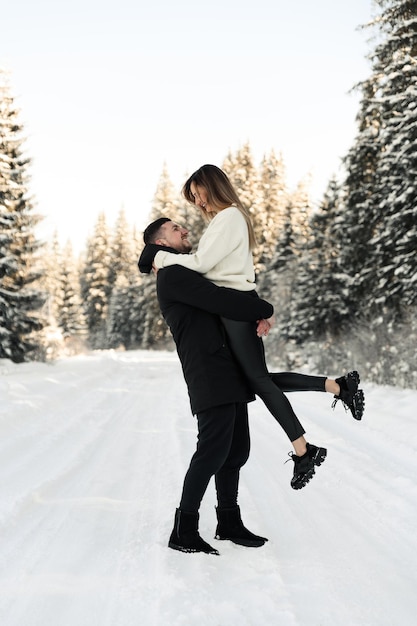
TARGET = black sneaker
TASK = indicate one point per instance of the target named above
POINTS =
(317, 455)
(352, 398)
(303, 470)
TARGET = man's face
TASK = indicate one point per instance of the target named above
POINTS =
(174, 236)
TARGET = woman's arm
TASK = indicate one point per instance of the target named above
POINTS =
(224, 233)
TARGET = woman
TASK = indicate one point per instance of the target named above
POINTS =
(224, 256)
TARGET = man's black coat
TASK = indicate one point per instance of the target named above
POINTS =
(191, 306)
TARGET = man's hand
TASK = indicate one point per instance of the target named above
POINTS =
(264, 326)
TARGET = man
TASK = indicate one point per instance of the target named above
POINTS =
(218, 393)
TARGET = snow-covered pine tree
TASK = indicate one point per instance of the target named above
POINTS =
(301, 214)
(165, 200)
(118, 326)
(51, 279)
(381, 187)
(95, 283)
(71, 318)
(274, 194)
(122, 251)
(127, 309)
(52, 337)
(319, 308)
(360, 212)
(395, 236)
(125, 281)
(20, 296)
(244, 176)
(273, 281)
(154, 333)
(284, 271)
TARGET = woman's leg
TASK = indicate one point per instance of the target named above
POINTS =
(292, 381)
(249, 352)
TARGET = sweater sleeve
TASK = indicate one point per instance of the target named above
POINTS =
(222, 236)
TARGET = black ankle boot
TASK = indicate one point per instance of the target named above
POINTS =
(185, 536)
(230, 526)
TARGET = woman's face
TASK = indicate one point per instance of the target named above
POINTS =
(200, 198)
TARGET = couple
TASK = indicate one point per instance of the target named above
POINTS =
(216, 318)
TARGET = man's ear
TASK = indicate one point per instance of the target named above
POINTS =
(160, 242)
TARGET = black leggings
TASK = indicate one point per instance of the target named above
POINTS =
(292, 381)
(249, 351)
(222, 449)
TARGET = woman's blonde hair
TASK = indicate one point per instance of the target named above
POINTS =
(220, 193)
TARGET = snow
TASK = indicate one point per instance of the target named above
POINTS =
(93, 450)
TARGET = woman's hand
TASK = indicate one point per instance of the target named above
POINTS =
(264, 326)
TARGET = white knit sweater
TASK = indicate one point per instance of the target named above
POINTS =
(223, 254)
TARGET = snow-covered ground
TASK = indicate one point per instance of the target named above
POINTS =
(93, 451)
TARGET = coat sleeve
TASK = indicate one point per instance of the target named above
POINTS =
(147, 257)
(183, 285)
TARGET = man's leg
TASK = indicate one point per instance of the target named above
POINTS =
(227, 478)
(215, 434)
(230, 525)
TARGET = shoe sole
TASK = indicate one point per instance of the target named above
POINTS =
(358, 405)
(355, 376)
(302, 481)
(319, 456)
(248, 543)
(174, 546)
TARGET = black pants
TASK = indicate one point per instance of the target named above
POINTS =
(222, 449)
(248, 349)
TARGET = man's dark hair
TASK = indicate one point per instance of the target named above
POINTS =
(151, 230)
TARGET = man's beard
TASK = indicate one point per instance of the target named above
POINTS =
(185, 248)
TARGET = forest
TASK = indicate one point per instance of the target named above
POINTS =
(342, 275)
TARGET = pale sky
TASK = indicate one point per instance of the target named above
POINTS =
(110, 91)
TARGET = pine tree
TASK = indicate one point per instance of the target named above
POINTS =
(70, 318)
(275, 196)
(381, 184)
(319, 308)
(300, 216)
(274, 281)
(396, 232)
(244, 176)
(123, 324)
(118, 326)
(95, 283)
(51, 279)
(20, 297)
(165, 200)
(122, 252)
(282, 282)
(145, 312)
